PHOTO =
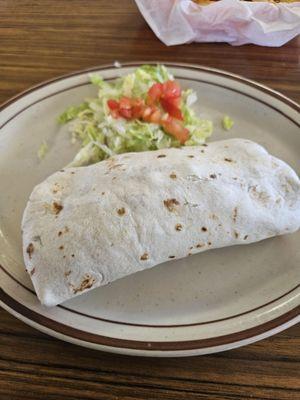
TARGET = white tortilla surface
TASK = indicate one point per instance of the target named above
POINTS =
(85, 227)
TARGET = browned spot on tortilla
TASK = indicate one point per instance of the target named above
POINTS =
(235, 179)
(226, 147)
(62, 170)
(209, 243)
(202, 151)
(235, 213)
(161, 156)
(144, 257)
(228, 159)
(121, 211)
(72, 172)
(259, 195)
(191, 247)
(61, 247)
(65, 230)
(30, 250)
(171, 256)
(64, 256)
(203, 229)
(32, 271)
(191, 156)
(199, 245)
(86, 283)
(67, 273)
(56, 207)
(103, 193)
(246, 237)
(114, 166)
(213, 216)
(72, 255)
(213, 176)
(236, 234)
(204, 145)
(173, 176)
(178, 227)
(114, 178)
(171, 204)
(190, 254)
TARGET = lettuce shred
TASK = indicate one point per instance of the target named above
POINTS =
(227, 122)
(42, 151)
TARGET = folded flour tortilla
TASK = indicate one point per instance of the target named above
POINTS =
(85, 227)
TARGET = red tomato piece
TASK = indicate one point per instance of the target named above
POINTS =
(154, 93)
(147, 113)
(171, 90)
(176, 129)
(125, 113)
(138, 106)
(171, 108)
(137, 111)
(113, 104)
(155, 117)
(115, 113)
(125, 102)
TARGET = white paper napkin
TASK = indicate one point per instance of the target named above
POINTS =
(236, 22)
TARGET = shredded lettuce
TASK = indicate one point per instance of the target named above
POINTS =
(227, 122)
(102, 136)
(42, 151)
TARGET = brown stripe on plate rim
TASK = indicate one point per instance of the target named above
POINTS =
(155, 326)
(146, 345)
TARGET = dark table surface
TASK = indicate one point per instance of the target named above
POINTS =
(40, 39)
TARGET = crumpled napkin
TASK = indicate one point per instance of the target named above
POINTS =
(232, 21)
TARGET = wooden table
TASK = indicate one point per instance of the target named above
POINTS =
(40, 39)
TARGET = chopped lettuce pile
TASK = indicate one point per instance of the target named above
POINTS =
(101, 135)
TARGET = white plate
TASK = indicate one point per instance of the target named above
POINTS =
(210, 302)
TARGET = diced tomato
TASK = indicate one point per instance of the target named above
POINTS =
(125, 102)
(138, 106)
(137, 102)
(166, 96)
(146, 113)
(137, 112)
(125, 113)
(171, 108)
(176, 129)
(113, 104)
(171, 90)
(155, 117)
(154, 93)
(175, 101)
(115, 113)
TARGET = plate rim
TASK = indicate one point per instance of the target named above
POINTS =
(289, 317)
(198, 67)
